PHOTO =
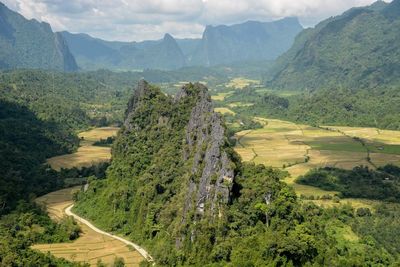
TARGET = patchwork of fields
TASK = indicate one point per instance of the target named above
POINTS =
(299, 148)
(91, 246)
(87, 153)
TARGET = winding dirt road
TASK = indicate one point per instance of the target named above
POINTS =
(141, 250)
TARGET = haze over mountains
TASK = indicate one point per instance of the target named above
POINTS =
(31, 44)
(222, 44)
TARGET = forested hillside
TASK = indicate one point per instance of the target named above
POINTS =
(370, 108)
(25, 143)
(358, 49)
(73, 100)
(31, 44)
(177, 187)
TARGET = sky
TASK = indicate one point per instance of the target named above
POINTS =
(137, 20)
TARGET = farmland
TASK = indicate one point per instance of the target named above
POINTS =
(299, 148)
(91, 246)
(87, 153)
(240, 83)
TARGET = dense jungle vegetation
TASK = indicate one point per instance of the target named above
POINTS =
(369, 108)
(361, 182)
(264, 223)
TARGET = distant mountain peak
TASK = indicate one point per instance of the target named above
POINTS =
(31, 44)
(251, 40)
(168, 36)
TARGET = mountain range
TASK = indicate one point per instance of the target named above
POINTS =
(222, 44)
(248, 41)
(31, 44)
(358, 49)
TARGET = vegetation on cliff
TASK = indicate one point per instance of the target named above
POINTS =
(176, 187)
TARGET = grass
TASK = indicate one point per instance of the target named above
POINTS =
(240, 104)
(96, 134)
(221, 96)
(87, 153)
(299, 148)
(224, 111)
(90, 246)
(240, 83)
(282, 93)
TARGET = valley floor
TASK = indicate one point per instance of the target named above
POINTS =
(87, 154)
(299, 148)
(92, 245)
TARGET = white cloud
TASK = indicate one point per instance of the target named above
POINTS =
(130, 20)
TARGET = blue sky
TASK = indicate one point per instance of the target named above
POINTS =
(136, 20)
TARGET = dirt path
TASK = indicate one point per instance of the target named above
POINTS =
(91, 246)
(141, 250)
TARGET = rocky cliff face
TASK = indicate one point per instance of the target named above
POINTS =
(210, 168)
(205, 139)
(172, 170)
(31, 44)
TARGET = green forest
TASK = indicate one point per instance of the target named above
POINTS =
(361, 182)
(368, 108)
(184, 108)
(263, 224)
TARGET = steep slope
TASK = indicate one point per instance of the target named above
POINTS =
(176, 187)
(93, 53)
(188, 46)
(25, 143)
(30, 44)
(171, 167)
(359, 49)
(162, 54)
(248, 41)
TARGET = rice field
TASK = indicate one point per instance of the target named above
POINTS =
(224, 111)
(221, 96)
(240, 104)
(240, 83)
(299, 148)
(90, 246)
(87, 153)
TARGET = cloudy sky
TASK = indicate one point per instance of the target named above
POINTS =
(136, 20)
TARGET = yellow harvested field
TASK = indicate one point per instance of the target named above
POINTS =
(240, 83)
(240, 104)
(221, 96)
(87, 153)
(86, 156)
(299, 148)
(99, 133)
(90, 246)
(374, 134)
(380, 159)
(270, 146)
(56, 202)
(354, 202)
(224, 111)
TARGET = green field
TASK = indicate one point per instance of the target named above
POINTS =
(299, 148)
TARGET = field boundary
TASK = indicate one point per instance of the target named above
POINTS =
(138, 248)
